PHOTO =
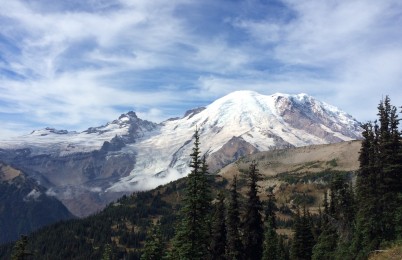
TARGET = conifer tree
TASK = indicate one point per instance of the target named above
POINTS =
(367, 217)
(327, 240)
(107, 252)
(270, 211)
(378, 182)
(253, 226)
(391, 171)
(271, 243)
(154, 248)
(303, 240)
(283, 249)
(218, 230)
(192, 235)
(20, 249)
(327, 243)
(234, 248)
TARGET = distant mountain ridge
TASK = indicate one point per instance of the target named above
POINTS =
(25, 205)
(89, 169)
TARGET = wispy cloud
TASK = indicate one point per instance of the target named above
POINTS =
(75, 64)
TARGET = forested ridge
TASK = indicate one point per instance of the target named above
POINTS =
(204, 216)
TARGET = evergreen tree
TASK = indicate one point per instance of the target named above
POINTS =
(283, 249)
(192, 236)
(270, 211)
(342, 200)
(107, 252)
(271, 243)
(218, 230)
(379, 181)
(234, 248)
(253, 226)
(368, 218)
(391, 163)
(303, 239)
(154, 248)
(20, 249)
(327, 243)
(327, 240)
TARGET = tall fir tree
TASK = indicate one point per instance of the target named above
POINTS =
(270, 211)
(192, 235)
(154, 248)
(218, 230)
(365, 238)
(271, 243)
(234, 249)
(303, 239)
(252, 225)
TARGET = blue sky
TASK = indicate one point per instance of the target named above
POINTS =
(75, 64)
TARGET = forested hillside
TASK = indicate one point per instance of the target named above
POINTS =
(24, 205)
(319, 214)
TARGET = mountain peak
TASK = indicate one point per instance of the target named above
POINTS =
(193, 112)
(129, 115)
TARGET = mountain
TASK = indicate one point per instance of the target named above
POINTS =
(87, 170)
(24, 205)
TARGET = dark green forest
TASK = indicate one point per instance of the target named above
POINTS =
(203, 216)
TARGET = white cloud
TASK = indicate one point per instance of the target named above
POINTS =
(32, 195)
(77, 67)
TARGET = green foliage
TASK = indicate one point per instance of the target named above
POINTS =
(379, 182)
(252, 224)
(234, 248)
(154, 248)
(303, 240)
(302, 198)
(270, 246)
(319, 177)
(271, 242)
(192, 235)
(20, 251)
(107, 252)
(218, 230)
(332, 163)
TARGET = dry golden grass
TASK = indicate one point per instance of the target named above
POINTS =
(393, 253)
(316, 158)
(8, 173)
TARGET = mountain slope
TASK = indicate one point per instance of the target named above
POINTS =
(87, 170)
(124, 224)
(24, 205)
(262, 122)
(342, 156)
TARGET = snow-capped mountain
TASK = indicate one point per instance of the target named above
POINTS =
(131, 154)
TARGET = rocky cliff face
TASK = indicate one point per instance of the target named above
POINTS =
(89, 169)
